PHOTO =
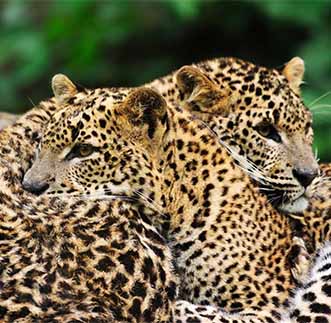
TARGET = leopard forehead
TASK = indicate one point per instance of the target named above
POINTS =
(89, 115)
(260, 93)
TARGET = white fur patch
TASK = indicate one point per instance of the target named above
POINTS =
(297, 206)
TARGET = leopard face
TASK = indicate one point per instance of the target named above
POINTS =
(100, 145)
(258, 114)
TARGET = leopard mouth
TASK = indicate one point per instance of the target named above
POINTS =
(297, 206)
(281, 201)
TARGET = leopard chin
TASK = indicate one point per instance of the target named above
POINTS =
(297, 206)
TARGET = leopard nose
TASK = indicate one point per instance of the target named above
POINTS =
(35, 187)
(305, 176)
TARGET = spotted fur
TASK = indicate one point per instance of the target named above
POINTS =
(259, 116)
(213, 96)
(317, 217)
(231, 247)
(312, 302)
(75, 260)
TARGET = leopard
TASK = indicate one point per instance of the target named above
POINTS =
(75, 259)
(231, 246)
(251, 109)
(259, 116)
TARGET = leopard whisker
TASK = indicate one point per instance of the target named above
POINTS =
(61, 195)
(318, 99)
(252, 174)
(104, 194)
(322, 112)
(150, 202)
(97, 195)
(31, 101)
(244, 163)
(325, 180)
(273, 198)
(266, 189)
(322, 179)
(283, 199)
(320, 106)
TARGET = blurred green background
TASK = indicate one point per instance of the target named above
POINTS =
(127, 43)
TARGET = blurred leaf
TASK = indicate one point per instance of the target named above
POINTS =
(303, 12)
(14, 13)
(187, 9)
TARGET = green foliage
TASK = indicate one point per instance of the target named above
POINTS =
(127, 43)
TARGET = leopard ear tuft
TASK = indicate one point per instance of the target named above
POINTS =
(63, 88)
(294, 71)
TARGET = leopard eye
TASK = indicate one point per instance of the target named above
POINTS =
(80, 151)
(267, 130)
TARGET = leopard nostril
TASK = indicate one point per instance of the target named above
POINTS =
(305, 176)
(35, 187)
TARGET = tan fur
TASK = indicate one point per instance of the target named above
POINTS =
(235, 98)
(74, 259)
(230, 245)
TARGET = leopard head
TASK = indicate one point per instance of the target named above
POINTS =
(100, 144)
(259, 116)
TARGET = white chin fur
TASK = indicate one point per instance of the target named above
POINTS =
(297, 206)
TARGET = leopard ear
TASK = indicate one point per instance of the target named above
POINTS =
(294, 71)
(63, 88)
(191, 81)
(199, 93)
(146, 107)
